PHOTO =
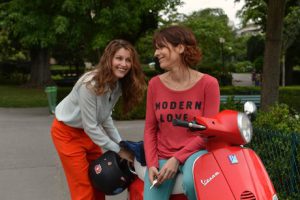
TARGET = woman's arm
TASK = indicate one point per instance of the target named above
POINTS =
(87, 103)
(150, 131)
(111, 130)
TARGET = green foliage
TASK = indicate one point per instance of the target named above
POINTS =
(209, 25)
(149, 73)
(61, 24)
(296, 68)
(239, 44)
(145, 47)
(243, 66)
(9, 51)
(242, 90)
(280, 118)
(290, 95)
(78, 30)
(139, 112)
(231, 105)
(14, 72)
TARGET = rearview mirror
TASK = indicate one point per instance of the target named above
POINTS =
(249, 108)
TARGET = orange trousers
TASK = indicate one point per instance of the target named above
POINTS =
(76, 150)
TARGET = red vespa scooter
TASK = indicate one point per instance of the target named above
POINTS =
(228, 171)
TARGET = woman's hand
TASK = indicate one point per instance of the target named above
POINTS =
(125, 154)
(153, 173)
(168, 171)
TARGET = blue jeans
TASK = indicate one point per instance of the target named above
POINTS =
(163, 192)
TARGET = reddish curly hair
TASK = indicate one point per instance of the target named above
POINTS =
(176, 35)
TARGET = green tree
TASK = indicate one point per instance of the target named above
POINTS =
(79, 27)
(209, 25)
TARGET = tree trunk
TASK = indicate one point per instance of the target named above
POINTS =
(271, 68)
(40, 75)
(283, 71)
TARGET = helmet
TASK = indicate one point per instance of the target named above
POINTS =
(110, 174)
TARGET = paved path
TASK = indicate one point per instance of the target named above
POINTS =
(29, 165)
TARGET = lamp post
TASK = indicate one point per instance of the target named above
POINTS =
(222, 41)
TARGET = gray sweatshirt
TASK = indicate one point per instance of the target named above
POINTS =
(82, 108)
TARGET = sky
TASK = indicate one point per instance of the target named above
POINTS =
(229, 7)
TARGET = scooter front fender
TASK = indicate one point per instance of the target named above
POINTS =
(231, 173)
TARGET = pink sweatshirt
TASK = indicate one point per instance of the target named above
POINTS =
(162, 140)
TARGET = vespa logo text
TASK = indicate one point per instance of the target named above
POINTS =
(206, 181)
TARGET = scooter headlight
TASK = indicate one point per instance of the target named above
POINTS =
(245, 127)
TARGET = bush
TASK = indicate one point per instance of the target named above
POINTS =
(290, 95)
(241, 90)
(231, 104)
(14, 72)
(279, 118)
(139, 112)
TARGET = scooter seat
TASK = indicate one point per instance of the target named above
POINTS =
(141, 170)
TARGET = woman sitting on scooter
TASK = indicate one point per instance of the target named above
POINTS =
(180, 92)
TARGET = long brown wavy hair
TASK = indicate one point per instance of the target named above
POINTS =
(176, 35)
(133, 84)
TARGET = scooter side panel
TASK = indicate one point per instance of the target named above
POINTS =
(210, 183)
(236, 171)
(263, 184)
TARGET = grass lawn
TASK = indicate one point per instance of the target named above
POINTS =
(14, 96)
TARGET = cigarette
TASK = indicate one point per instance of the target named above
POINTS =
(154, 182)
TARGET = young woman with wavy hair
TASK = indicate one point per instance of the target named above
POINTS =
(83, 125)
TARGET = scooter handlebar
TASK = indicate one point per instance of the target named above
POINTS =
(186, 124)
(178, 122)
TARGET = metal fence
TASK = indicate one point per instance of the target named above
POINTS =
(280, 153)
